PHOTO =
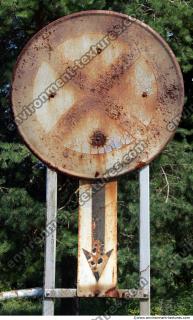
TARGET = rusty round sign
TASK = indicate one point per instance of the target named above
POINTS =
(96, 94)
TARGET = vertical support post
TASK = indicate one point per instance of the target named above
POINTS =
(144, 238)
(97, 240)
(50, 249)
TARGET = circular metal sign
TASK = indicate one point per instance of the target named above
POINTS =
(96, 94)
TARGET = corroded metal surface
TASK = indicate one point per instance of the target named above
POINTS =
(97, 239)
(118, 84)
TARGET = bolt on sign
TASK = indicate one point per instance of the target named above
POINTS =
(93, 95)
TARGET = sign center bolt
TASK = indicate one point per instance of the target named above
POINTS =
(98, 139)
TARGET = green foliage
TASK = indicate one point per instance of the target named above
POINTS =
(22, 181)
(21, 307)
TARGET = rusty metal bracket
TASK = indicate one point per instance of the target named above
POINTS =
(140, 293)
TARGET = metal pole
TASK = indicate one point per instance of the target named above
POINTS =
(50, 250)
(144, 238)
(23, 293)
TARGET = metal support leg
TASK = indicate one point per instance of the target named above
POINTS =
(144, 238)
(50, 250)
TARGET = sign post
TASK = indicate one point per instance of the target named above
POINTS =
(50, 249)
(97, 241)
(144, 238)
(97, 102)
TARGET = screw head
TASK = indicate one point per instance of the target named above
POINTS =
(47, 294)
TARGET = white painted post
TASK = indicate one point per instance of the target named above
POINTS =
(50, 250)
(144, 238)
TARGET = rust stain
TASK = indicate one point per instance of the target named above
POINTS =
(96, 174)
(140, 165)
(98, 139)
(52, 95)
(144, 94)
(113, 293)
(113, 110)
(170, 93)
(96, 293)
(99, 50)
